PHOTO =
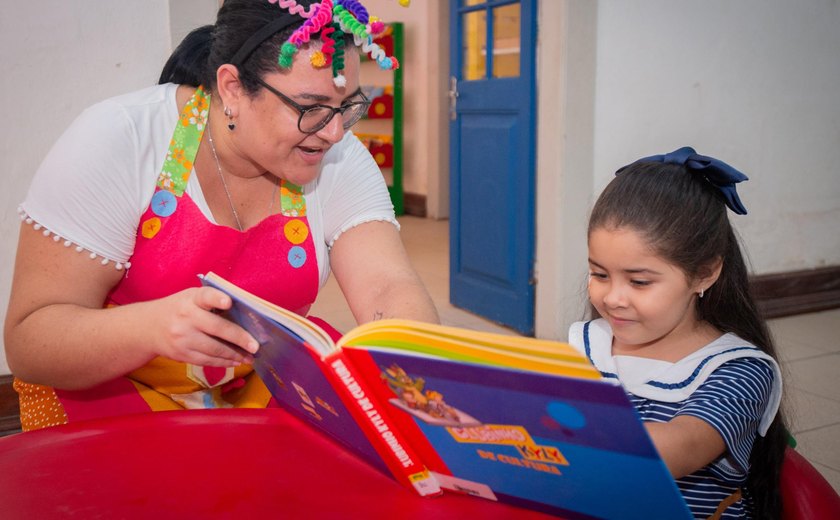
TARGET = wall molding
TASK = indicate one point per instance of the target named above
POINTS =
(9, 408)
(414, 204)
(797, 292)
(777, 295)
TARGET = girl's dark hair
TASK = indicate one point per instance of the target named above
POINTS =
(684, 220)
(195, 61)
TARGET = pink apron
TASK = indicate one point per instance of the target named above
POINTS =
(175, 243)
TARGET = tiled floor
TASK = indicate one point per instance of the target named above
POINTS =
(809, 346)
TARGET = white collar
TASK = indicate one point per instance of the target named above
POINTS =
(664, 381)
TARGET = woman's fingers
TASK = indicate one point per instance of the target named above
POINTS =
(209, 298)
(195, 333)
(218, 355)
(214, 325)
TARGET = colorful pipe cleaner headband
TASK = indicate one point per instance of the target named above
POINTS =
(715, 172)
(332, 19)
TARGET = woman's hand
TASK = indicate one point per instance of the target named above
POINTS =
(188, 329)
(57, 333)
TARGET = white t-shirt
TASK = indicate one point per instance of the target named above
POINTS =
(97, 181)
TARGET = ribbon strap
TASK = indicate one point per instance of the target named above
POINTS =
(183, 147)
(715, 172)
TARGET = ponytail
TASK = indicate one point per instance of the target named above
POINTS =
(730, 306)
(188, 63)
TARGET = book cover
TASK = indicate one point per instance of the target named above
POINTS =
(519, 420)
(563, 445)
(306, 375)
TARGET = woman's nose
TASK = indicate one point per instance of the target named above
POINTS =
(334, 130)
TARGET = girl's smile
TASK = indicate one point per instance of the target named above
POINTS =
(648, 302)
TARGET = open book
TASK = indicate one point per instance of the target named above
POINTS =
(514, 419)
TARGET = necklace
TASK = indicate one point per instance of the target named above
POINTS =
(221, 176)
(225, 186)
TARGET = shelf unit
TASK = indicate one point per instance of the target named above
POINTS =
(382, 129)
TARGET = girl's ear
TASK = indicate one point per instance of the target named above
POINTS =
(229, 87)
(708, 275)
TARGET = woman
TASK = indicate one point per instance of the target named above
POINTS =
(234, 164)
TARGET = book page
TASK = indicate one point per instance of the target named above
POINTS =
(309, 332)
(472, 347)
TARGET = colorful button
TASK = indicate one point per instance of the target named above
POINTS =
(297, 256)
(296, 231)
(150, 227)
(164, 203)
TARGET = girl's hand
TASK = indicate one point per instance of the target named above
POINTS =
(187, 329)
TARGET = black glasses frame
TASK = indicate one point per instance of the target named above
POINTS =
(304, 109)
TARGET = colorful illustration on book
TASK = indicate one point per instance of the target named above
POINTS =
(531, 455)
(424, 404)
(428, 405)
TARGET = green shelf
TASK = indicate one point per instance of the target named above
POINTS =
(395, 188)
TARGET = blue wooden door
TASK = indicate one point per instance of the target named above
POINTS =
(492, 159)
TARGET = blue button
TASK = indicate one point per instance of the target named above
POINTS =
(164, 203)
(297, 256)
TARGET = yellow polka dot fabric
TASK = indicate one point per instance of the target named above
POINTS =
(39, 406)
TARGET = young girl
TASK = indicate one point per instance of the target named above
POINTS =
(681, 332)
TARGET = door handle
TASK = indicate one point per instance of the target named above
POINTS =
(453, 97)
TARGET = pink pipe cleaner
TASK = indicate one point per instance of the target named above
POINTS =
(294, 8)
(328, 45)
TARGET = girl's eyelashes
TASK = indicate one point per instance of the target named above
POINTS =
(636, 282)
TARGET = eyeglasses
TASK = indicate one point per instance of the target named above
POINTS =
(315, 117)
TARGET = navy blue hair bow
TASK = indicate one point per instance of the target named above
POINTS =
(715, 172)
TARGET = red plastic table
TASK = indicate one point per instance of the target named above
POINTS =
(209, 463)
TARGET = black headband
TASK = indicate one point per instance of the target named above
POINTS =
(286, 19)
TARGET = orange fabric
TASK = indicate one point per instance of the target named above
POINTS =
(39, 406)
(42, 406)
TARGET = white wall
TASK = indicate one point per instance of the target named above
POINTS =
(186, 15)
(424, 108)
(57, 58)
(753, 82)
(565, 133)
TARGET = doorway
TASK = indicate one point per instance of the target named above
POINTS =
(492, 153)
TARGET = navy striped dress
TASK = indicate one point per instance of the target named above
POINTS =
(733, 400)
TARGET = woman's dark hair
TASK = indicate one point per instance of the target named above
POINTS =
(195, 61)
(684, 220)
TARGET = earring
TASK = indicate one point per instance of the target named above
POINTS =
(700, 294)
(231, 125)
